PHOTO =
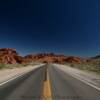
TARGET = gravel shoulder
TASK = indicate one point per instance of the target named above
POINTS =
(6, 74)
(90, 77)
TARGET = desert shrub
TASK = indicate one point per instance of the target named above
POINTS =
(2, 66)
(72, 65)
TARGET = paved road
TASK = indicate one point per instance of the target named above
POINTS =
(63, 86)
(66, 87)
(26, 87)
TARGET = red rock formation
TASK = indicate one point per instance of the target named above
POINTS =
(7, 55)
(10, 56)
(53, 58)
(72, 59)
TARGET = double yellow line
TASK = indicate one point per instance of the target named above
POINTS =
(47, 88)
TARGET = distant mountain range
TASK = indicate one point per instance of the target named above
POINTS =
(11, 56)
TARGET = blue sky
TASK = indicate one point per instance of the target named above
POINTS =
(70, 27)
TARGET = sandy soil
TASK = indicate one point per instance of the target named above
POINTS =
(84, 75)
(6, 74)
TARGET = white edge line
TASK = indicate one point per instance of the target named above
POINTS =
(86, 82)
(15, 77)
(83, 81)
(12, 79)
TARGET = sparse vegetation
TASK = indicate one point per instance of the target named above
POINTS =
(92, 65)
(10, 66)
(2, 66)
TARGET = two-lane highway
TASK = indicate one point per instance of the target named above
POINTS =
(48, 83)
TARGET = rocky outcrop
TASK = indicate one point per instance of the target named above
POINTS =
(10, 56)
(53, 58)
(7, 55)
(72, 59)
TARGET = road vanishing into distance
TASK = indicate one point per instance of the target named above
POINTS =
(47, 83)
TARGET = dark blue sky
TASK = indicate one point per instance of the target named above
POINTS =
(71, 27)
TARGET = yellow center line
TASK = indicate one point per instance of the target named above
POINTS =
(47, 88)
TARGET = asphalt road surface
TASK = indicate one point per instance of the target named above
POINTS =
(26, 87)
(63, 86)
(66, 87)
